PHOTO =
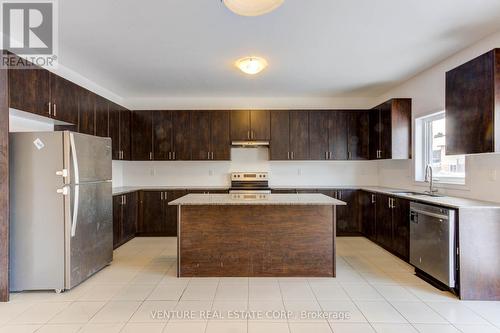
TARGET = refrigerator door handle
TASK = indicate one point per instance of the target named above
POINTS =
(76, 198)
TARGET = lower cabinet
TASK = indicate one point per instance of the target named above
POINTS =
(348, 215)
(124, 218)
(156, 217)
(386, 221)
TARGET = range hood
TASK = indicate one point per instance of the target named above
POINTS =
(250, 144)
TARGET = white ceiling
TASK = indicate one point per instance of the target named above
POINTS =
(315, 48)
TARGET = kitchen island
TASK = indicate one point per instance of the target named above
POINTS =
(264, 235)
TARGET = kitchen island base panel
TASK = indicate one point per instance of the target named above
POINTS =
(256, 241)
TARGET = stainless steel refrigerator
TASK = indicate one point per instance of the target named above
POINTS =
(61, 215)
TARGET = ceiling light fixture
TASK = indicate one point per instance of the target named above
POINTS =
(252, 7)
(251, 65)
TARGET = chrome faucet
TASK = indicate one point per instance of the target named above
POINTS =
(429, 179)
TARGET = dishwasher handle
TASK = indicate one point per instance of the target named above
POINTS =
(423, 212)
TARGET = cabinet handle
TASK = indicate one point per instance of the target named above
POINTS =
(212, 155)
(124, 199)
(340, 195)
(169, 155)
(330, 154)
(326, 155)
(293, 155)
(208, 155)
(161, 196)
(151, 155)
(248, 134)
(349, 155)
(389, 203)
(50, 109)
(55, 110)
(288, 155)
(173, 154)
(373, 198)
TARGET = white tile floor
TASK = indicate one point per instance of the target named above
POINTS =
(373, 292)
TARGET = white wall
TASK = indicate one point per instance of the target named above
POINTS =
(428, 93)
(206, 174)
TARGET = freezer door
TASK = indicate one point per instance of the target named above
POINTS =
(89, 158)
(89, 231)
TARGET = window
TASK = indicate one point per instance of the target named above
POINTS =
(431, 150)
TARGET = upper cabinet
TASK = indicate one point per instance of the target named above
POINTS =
(339, 135)
(289, 135)
(142, 135)
(210, 135)
(86, 112)
(250, 125)
(63, 103)
(119, 131)
(473, 106)
(390, 130)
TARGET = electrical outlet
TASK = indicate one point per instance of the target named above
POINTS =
(152, 171)
(299, 172)
(210, 172)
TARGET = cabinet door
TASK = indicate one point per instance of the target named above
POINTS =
(347, 216)
(367, 206)
(200, 135)
(181, 137)
(374, 136)
(64, 97)
(29, 90)
(142, 135)
(220, 135)
(260, 123)
(125, 133)
(117, 220)
(386, 131)
(401, 227)
(86, 109)
(318, 135)
(280, 135)
(337, 142)
(171, 212)
(299, 135)
(240, 125)
(114, 129)
(129, 218)
(358, 135)
(101, 116)
(472, 106)
(384, 221)
(151, 213)
(162, 135)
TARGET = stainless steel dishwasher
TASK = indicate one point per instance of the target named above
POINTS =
(432, 241)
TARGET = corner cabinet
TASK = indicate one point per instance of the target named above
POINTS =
(473, 106)
(390, 130)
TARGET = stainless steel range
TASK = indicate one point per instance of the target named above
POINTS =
(249, 183)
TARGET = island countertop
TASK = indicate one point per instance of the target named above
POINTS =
(259, 199)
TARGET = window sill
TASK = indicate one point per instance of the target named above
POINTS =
(450, 186)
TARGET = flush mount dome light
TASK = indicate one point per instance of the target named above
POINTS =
(251, 65)
(252, 7)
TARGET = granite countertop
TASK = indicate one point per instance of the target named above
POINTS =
(447, 201)
(452, 202)
(269, 199)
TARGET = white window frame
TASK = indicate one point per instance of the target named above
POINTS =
(423, 147)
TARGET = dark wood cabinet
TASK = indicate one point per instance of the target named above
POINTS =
(250, 125)
(119, 131)
(319, 134)
(390, 130)
(86, 112)
(338, 140)
(64, 97)
(348, 216)
(181, 122)
(472, 106)
(220, 141)
(299, 135)
(368, 210)
(200, 135)
(101, 116)
(124, 218)
(401, 227)
(390, 226)
(289, 135)
(358, 144)
(29, 89)
(162, 135)
(142, 135)
(156, 217)
(280, 135)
